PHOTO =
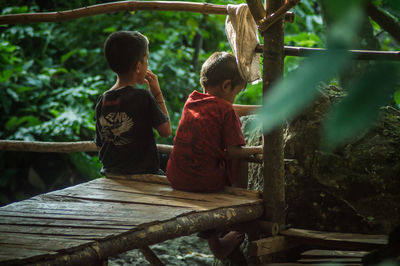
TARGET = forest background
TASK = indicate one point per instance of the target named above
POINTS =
(52, 73)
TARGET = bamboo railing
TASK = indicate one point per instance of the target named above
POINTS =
(78, 146)
(59, 16)
(355, 54)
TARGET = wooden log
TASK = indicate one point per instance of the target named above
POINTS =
(205, 8)
(268, 228)
(157, 233)
(78, 146)
(355, 54)
(274, 178)
(336, 240)
(318, 253)
(270, 245)
(44, 146)
(151, 256)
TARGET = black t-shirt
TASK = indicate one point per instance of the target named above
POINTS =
(125, 119)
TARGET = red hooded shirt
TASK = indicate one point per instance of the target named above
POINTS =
(198, 161)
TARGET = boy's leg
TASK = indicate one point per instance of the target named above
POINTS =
(222, 247)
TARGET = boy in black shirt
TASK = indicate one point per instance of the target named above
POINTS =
(125, 115)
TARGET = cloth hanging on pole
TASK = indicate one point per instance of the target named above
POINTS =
(241, 31)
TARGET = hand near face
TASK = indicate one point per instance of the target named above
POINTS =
(151, 80)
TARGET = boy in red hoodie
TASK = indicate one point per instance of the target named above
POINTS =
(209, 139)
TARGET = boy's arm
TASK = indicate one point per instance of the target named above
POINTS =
(243, 151)
(243, 110)
(152, 82)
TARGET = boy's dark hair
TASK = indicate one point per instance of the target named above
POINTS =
(124, 49)
(220, 66)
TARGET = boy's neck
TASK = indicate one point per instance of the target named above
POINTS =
(124, 81)
(218, 92)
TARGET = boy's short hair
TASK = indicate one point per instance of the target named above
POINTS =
(220, 66)
(124, 49)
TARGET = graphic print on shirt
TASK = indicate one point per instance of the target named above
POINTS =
(113, 125)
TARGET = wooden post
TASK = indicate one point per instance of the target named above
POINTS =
(274, 185)
(274, 177)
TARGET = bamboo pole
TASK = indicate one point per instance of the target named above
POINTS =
(205, 8)
(355, 54)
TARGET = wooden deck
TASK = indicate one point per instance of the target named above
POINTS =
(90, 222)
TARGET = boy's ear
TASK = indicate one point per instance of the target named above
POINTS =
(227, 85)
(137, 66)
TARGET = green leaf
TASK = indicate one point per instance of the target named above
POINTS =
(15, 122)
(356, 112)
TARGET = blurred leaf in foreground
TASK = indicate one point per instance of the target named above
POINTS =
(360, 108)
(292, 94)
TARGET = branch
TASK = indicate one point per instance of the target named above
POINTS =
(59, 16)
(356, 54)
(384, 21)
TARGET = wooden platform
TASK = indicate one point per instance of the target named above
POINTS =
(90, 222)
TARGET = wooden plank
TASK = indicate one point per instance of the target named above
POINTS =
(78, 233)
(51, 222)
(116, 213)
(11, 254)
(331, 260)
(167, 191)
(337, 240)
(40, 242)
(270, 245)
(159, 179)
(316, 253)
(161, 196)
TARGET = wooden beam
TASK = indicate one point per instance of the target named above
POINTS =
(355, 54)
(336, 240)
(78, 146)
(59, 16)
(274, 178)
(270, 245)
(46, 146)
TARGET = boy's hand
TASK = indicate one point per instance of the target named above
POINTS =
(151, 80)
